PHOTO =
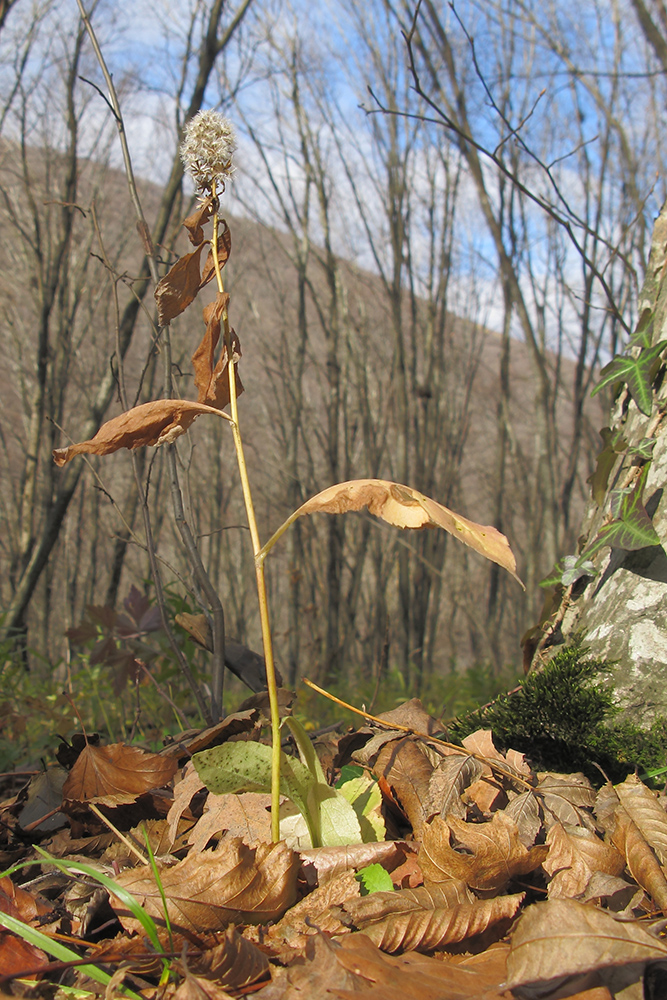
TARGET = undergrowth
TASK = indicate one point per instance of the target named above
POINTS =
(563, 717)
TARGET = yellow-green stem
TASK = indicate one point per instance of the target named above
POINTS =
(256, 549)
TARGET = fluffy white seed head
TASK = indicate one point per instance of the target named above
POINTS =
(208, 149)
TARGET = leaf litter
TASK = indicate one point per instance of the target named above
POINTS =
(507, 883)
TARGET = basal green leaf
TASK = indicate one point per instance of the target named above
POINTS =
(374, 878)
(638, 374)
(305, 747)
(363, 793)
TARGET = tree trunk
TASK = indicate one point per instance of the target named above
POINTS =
(621, 613)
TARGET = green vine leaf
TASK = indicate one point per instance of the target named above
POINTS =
(631, 528)
(638, 374)
(644, 331)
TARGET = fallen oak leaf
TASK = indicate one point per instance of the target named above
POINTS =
(497, 854)
(156, 423)
(403, 507)
(115, 775)
(206, 892)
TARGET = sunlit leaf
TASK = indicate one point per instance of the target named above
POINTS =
(631, 528)
(638, 374)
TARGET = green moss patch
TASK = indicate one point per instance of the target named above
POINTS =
(562, 718)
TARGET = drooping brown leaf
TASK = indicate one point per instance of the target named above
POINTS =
(563, 938)
(574, 854)
(640, 859)
(178, 288)
(425, 929)
(197, 219)
(447, 782)
(234, 962)
(211, 378)
(642, 805)
(159, 422)
(206, 892)
(407, 771)
(496, 853)
(224, 250)
(116, 774)
(407, 508)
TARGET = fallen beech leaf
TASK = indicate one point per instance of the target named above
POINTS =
(407, 771)
(45, 793)
(364, 910)
(406, 508)
(574, 854)
(18, 956)
(316, 912)
(179, 287)
(413, 715)
(423, 930)
(497, 854)
(20, 903)
(234, 962)
(616, 894)
(487, 794)
(447, 782)
(349, 967)
(642, 805)
(641, 861)
(563, 938)
(321, 864)
(206, 892)
(159, 422)
(481, 743)
(566, 797)
(525, 811)
(116, 774)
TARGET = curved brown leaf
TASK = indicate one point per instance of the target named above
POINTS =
(179, 287)
(116, 774)
(206, 892)
(496, 853)
(641, 861)
(563, 938)
(235, 962)
(197, 219)
(448, 781)
(407, 771)
(423, 930)
(574, 854)
(405, 508)
(211, 378)
(642, 805)
(159, 422)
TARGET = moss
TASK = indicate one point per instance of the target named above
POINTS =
(562, 718)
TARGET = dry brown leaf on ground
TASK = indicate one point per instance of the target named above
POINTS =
(20, 903)
(206, 892)
(642, 806)
(18, 956)
(617, 894)
(159, 422)
(426, 929)
(413, 715)
(116, 774)
(352, 966)
(486, 794)
(179, 287)
(318, 911)
(574, 854)
(448, 781)
(184, 791)
(407, 771)
(241, 815)
(497, 854)
(233, 962)
(407, 508)
(640, 859)
(562, 938)
(361, 911)
(198, 988)
(566, 798)
(525, 810)
(319, 864)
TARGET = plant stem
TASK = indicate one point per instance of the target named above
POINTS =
(256, 549)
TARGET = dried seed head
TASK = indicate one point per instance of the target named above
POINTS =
(208, 149)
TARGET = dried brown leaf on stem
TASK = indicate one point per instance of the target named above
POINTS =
(207, 892)
(116, 774)
(497, 854)
(211, 378)
(197, 219)
(179, 287)
(159, 422)
(406, 508)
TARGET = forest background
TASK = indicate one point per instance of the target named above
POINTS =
(437, 240)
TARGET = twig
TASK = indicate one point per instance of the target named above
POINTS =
(121, 836)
